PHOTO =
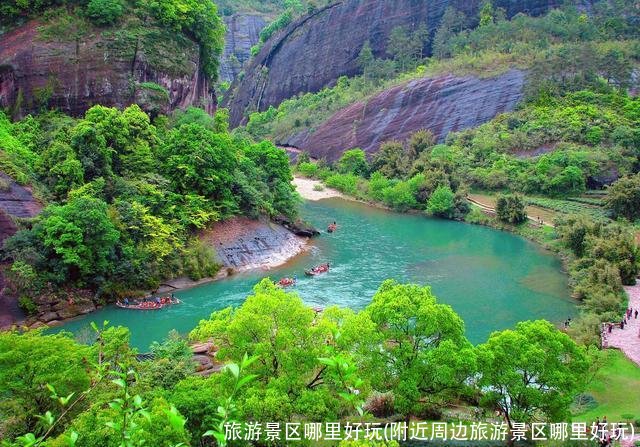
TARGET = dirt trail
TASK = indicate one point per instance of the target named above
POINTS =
(492, 210)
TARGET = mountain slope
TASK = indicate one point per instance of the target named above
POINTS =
(318, 48)
(441, 104)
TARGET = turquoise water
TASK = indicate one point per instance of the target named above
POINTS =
(493, 279)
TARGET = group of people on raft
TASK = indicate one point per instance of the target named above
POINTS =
(317, 270)
(148, 303)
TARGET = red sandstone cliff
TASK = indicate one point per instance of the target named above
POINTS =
(441, 104)
(317, 49)
(105, 67)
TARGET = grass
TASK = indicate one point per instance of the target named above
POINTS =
(615, 389)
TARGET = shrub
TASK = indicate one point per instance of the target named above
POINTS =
(104, 12)
(399, 196)
(441, 202)
(353, 161)
(377, 184)
(510, 209)
(308, 169)
(623, 198)
(318, 187)
(476, 216)
(27, 305)
(346, 183)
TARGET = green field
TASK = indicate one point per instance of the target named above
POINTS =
(615, 389)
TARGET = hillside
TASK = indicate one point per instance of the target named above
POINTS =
(295, 59)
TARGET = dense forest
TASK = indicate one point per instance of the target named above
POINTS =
(126, 194)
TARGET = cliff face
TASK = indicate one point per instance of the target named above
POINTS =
(243, 32)
(442, 104)
(315, 50)
(100, 67)
(16, 201)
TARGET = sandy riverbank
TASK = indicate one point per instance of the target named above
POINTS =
(305, 187)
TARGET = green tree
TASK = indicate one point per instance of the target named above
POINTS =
(104, 12)
(81, 235)
(623, 198)
(532, 371)
(441, 203)
(422, 355)
(59, 169)
(273, 325)
(452, 22)
(30, 361)
(405, 47)
(419, 142)
(574, 229)
(353, 161)
(196, 160)
(390, 160)
(511, 209)
(486, 13)
(366, 60)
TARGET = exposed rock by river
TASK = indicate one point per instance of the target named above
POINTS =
(242, 243)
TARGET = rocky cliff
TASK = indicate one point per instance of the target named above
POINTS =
(243, 32)
(53, 66)
(441, 104)
(243, 244)
(15, 201)
(318, 48)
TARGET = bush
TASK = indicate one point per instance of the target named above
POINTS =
(308, 169)
(353, 161)
(27, 305)
(623, 198)
(318, 187)
(477, 217)
(346, 183)
(441, 202)
(510, 209)
(104, 12)
(399, 196)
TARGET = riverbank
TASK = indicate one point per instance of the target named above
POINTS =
(241, 245)
(310, 189)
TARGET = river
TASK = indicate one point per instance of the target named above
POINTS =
(493, 279)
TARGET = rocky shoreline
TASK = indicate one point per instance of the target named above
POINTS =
(241, 244)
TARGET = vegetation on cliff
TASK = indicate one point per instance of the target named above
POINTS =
(196, 19)
(126, 196)
(565, 50)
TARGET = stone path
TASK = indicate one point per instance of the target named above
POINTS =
(627, 339)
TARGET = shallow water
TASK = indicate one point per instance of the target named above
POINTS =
(493, 279)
